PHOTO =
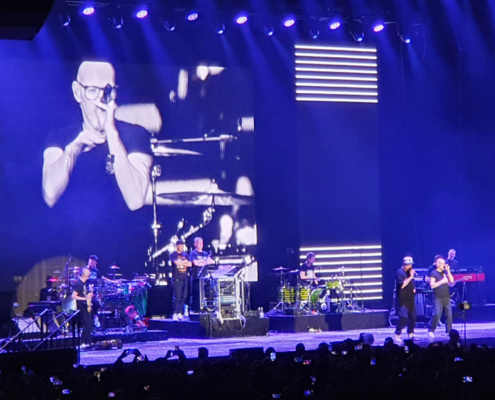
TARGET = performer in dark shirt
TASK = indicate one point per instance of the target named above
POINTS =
(49, 293)
(200, 260)
(451, 260)
(307, 271)
(83, 298)
(439, 282)
(123, 147)
(405, 291)
(180, 277)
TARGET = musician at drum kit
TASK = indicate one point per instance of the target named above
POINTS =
(200, 260)
(180, 278)
(307, 275)
(405, 291)
(84, 297)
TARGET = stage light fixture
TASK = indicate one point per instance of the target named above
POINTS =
(356, 30)
(192, 16)
(289, 21)
(334, 25)
(221, 29)
(143, 13)
(64, 19)
(268, 30)
(241, 18)
(88, 10)
(378, 26)
(170, 26)
(117, 22)
(314, 33)
(405, 39)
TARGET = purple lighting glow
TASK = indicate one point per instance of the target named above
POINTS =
(334, 25)
(89, 10)
(378, 28)
(192, 16)
(241, 19)
(289, 22)
(142, 14)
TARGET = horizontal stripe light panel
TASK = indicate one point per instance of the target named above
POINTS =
(336, 74)
(359, 265)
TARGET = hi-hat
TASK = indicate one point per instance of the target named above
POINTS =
(114, 267)
(280, 269)
(294, 271)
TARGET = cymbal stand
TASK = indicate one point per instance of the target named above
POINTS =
(281, 303)
(155, 173)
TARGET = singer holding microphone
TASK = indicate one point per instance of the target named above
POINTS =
(439, 282)
(405, 290)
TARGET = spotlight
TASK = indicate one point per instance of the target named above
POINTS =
(289, 22)
(89, 10)
(314, 33)
(64, 20)
(143, 13)
(405, 39)
(356, 30)
(169, 25)
(221, 29)
(268, 30)
(378, 27)
(241, 18)
(333, 25)
(117, 23)
(192, 16)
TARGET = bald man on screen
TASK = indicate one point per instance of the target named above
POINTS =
(125, 146)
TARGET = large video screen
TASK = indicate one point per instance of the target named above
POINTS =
(120, 160)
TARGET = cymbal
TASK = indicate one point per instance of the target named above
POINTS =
(52, 280)
(74, 268)
(140, 277)
(202, 199)
(162, 151)
(280, 269)
(56, 272)
(295, 271)
(114, 267)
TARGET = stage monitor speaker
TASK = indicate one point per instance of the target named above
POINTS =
(23, 19)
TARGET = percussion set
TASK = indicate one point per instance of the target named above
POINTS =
(112, 297)
(336, 294)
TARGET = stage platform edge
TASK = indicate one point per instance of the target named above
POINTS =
(204, 328)
(369, 319)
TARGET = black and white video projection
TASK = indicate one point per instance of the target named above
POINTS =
(85, 143)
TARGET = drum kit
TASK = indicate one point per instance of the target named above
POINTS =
(113, 296)
(334, 295)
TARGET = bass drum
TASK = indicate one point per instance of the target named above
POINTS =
(69, 305)
(320, 300)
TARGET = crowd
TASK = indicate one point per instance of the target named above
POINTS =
(351, 369)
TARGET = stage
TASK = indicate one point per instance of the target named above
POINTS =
(480, 333)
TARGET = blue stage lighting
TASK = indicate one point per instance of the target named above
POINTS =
(289, 22)
(333, 25)
(143, 13)
(268, 30)
(241, 18)
(90, 10)
(378, 27)
(192, 16)
(221, 29)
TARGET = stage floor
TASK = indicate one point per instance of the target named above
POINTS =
(481, 333)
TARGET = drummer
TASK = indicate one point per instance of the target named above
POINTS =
(307, 275)
(95, 273)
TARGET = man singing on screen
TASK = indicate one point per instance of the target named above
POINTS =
(439, 282)
(405, 292)
(98, 144)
